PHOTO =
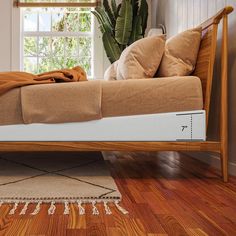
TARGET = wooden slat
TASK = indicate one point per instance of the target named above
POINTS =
(109, 146)
(205, 64)
(57, 4)
(206, 56)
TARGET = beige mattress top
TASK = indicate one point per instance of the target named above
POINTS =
(75, 102)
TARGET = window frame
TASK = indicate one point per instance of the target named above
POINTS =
(18, 43)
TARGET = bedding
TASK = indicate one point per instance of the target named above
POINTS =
(11, 80)
(150, 96)
(110, 73)
(141, 59)
(181, 53)
(91, 100)
(57, 103)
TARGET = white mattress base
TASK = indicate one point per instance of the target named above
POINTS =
(176, 126)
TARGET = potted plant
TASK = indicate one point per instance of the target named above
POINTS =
(121, 24)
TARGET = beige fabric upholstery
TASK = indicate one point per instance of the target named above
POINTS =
(110, 73)
(56, 103)
(149, 96)
(75, 102)
(141, 59)
(10, 107)
(181, 53)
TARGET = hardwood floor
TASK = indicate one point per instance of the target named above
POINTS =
(166, 194)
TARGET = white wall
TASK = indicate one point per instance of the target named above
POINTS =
(5, 35)
(178, 15)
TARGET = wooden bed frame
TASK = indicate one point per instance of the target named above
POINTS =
(204, 70)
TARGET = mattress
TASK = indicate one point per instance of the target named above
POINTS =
(175, 126)
(49, 103)
(150, 96)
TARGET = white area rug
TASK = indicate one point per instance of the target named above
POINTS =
(56, 178)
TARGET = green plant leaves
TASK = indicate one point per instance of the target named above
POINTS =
(135, 5)
(107, 25)
(99, 19)
(121, 24)
(114, 8)
(137, 30)
(111, 47)
(109, 12)
(124, 23)
(118, 9)
(143, 12)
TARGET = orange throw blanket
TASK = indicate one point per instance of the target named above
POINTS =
(11, 80)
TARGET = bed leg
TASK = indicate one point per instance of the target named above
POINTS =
(224, 101)
(224, 165)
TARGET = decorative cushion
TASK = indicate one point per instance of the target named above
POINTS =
(181, 53)
(110, 73)
(141, 59)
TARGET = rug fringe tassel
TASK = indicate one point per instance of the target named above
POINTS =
(81, 209)
(12, 211)
(107, 208)
(121, 209)
(95, 210)
(67, 208)
(24, 209)
(37, 208)
(52, 208)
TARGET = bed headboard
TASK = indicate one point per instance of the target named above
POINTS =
(206, 57)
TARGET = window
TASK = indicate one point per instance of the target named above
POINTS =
(55, 38)
(54, 34)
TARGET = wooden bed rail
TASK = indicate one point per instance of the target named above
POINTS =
(108, 146)
(217, 18)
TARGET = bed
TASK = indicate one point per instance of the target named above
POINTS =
(128, 123)
(161, 109)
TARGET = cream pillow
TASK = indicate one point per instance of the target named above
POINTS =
(141, 59)
(110, 73)
(181, 53)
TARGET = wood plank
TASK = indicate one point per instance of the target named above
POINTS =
(179, 198)
(171, 225)
(109, 146)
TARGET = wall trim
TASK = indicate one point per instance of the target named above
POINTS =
(213, 159)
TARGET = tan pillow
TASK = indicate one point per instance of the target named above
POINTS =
(141, 59)
(110, 73)
(181, 53)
